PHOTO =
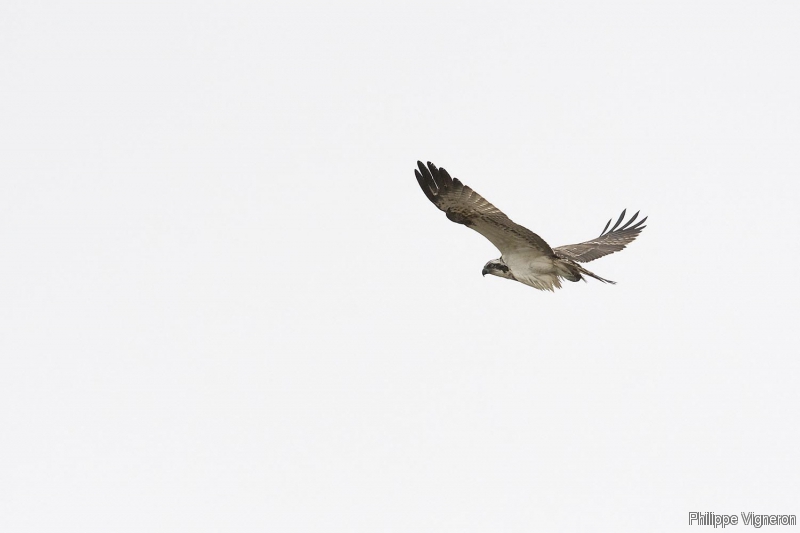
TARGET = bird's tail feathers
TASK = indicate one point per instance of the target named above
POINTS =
(593, 275)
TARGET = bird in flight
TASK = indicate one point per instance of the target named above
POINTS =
(526, 257)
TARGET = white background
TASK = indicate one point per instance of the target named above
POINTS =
(227, 306)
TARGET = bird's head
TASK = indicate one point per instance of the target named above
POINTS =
(497, 267)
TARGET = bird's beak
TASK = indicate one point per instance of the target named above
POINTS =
(484, 272)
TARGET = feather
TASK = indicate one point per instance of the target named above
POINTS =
(608, 242)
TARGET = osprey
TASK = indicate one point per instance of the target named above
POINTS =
(526, 257)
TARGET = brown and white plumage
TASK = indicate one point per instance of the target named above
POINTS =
(526, 257)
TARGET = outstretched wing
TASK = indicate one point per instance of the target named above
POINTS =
(609, 242)
(464, 206)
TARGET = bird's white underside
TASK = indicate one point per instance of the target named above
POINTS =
(538, 271)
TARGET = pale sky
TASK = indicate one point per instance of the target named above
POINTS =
(227, 305)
